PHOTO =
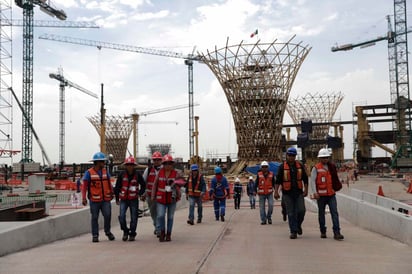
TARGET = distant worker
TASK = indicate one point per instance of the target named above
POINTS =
(219, 191)
(149, 175)
(264, 185)
(130, 185)
(294, 181)
(237, 193)
(98, 189)
(78, 185)
(195, 190)
(322, 176)
(251, 192)
(167, 193)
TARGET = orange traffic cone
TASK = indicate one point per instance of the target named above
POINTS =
(410, 187)
(380, 191)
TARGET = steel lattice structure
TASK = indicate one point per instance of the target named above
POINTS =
(118, 130)
(318, 107)
(257, 79)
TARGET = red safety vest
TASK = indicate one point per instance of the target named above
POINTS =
(197, 191)
(129, 189)
(287, 184)
(151, 177)
(100, 188)
(164, 195)
(265, 184)
(324, 185)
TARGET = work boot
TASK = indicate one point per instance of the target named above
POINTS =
(110, 236)
(190, 222)
(263, 223)
(125, 236)
(270, 221)
(337, 236)
(284, 216)
(323, 235)
(199, 221)
(168, 237)
(293, 236)
(162, 236)
(95, 239)
(132, 238)
(222, 218)
(300, 231)
(217, 218)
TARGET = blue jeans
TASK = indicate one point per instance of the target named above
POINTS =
(153, 211)
(95, 208)
(252, 200)
(295, 209)
(192, 201)
(220, 206)
(262, 206)
(333, 208)
(161, 213)
(134, 206)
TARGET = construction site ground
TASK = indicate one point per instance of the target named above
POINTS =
(238, 245)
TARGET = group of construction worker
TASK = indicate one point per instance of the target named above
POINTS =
(160, 187)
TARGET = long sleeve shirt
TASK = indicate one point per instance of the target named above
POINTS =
(119, 182)
(202, 184)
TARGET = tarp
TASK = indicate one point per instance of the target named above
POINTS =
(273, 166)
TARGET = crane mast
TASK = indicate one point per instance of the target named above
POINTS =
(188, 61)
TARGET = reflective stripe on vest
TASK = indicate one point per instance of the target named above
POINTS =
(151, 177)
(197, 191)
(164, 192)
(324, 185)
(265, 183)
(100, 188)
(130, 189)
(287, 184)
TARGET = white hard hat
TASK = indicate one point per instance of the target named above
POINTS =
(237, 180)
(324, 152)
(250, 178)
(264, 163)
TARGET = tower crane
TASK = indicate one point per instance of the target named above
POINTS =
(63, 82)
(28, 52)
(189, 59)
(398, 74)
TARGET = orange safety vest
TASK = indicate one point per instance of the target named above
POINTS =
(100, 188)
(324, 185)
(164, 193)
(129, 190)
(287, 184)
(151, 177)
(265, 183)
(197, 191)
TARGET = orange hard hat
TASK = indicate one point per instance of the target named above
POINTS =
(129, 161)
(167, 158)
(157, 155)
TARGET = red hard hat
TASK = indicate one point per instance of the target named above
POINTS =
(157, 155)
(129, 161)
(167, 158)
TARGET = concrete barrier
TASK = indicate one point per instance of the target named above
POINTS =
(26, 235)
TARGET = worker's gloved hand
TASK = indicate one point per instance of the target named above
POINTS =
(143, 198)
(84, 202)
(276, 195)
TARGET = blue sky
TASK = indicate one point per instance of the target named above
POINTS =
(145, 82)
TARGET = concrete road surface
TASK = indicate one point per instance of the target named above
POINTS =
(238, 245)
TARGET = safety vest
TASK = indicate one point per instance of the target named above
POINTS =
(151, 176)
(165, 192)
(100, 188)
(265, 183)
(287, 184)
(129, 189)
(197, 189)
(324, 185)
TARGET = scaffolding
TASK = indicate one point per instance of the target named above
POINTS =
(118, 130)
(162, 148)
(257, 79)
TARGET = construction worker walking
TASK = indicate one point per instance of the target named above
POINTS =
(130, 185)
(250, 190)
(149, 175)
(98, 189)
(237, 193)
(294, 181)
(322, 176)
(219, 191)
(195, 189)
(264, 185)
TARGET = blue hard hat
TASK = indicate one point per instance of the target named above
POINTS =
(99, 156)
(218, 170)
(292, 151)
(194, 167)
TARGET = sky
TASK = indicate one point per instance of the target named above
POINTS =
(141, 82)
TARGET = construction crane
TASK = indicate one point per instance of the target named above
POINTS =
(49, 23)
(135, 116)
(189, 59)
(28, 52)
(398, 73)
(63, 82)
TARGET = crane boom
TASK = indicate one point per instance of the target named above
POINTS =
(69, 83)
(50, 24)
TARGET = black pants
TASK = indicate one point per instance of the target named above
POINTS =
(237, 200)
